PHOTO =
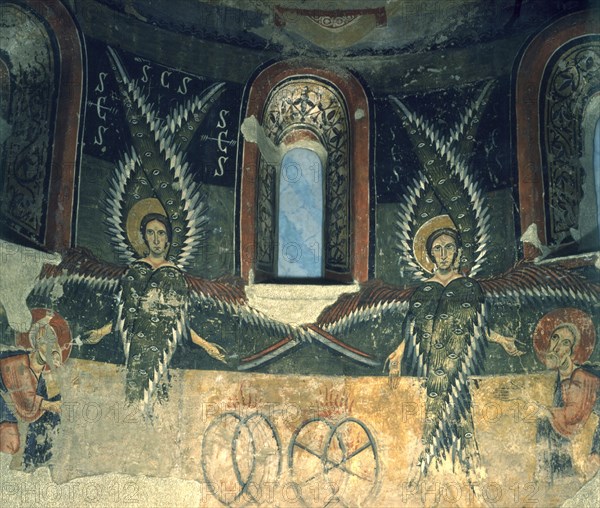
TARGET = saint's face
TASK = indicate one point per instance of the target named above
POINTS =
(443, 251)
(157, 239)
(561, 347)
(48, 347)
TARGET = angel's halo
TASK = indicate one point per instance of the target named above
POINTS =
(423, 233)
(134, 221)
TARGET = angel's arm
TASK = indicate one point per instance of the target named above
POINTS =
(394, 361)
(395, 357)
(535, 284)
(212, 349)
(95, 336)
(508, 343)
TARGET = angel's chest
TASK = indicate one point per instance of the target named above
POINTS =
(140, 279)
(435, 308)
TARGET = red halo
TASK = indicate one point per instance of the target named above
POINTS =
(548, 323)
(60, 327)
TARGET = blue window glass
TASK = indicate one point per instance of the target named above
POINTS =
(300, 215)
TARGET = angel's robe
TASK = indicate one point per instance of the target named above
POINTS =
(151, 321)
(444, 331)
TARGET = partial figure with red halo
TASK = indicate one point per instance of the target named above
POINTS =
(24, 391)
(563, 340)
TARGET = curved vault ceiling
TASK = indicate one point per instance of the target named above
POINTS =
(386, 41)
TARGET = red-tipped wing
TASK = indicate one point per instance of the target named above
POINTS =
(226, 289)
(536, 282)
(80, 266)
(373, 298)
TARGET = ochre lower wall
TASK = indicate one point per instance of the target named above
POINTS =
(195, 434)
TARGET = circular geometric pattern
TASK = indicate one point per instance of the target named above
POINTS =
(242, 451)
(342, 456)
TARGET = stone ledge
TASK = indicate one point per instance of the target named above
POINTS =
(295, 303)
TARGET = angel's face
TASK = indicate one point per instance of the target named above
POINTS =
(561, 347)
(443, 251)
(157, 239)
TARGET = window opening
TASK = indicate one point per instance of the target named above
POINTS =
(300, 215)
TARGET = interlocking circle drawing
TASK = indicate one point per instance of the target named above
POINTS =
(240, 455)
(334, 463)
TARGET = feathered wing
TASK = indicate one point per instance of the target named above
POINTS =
(221, 306)
(82, 288)
(79, 267)
(531, 283)
(220, 313)
(444, 184)
(364, 325)
(155, 167)
(449, 426)
(418, 206)
(116, 209)
(374, 299)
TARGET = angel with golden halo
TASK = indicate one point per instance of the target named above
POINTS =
(156, 218)
(443, 340)
(443, 234)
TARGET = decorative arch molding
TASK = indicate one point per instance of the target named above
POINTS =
(557, 75)
(306, 105)
(41, 74)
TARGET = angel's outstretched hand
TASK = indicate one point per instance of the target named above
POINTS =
(214, 350)
(95, 336)
(394, 365)
(508, 343)
(511, 348)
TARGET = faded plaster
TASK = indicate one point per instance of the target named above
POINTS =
(21, 267)
(295, 303)
(96, 425)
(432, 55)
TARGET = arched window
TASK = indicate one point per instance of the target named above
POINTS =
(300, 215)
(41, 88)
(557, 83)
(326, 118)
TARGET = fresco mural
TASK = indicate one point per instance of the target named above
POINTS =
(460, 367)
(564, 339)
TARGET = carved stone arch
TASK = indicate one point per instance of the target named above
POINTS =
(557, 76)
(42, 83)
(307, 104)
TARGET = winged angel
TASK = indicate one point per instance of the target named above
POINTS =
(443, 234)
(157, 220)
